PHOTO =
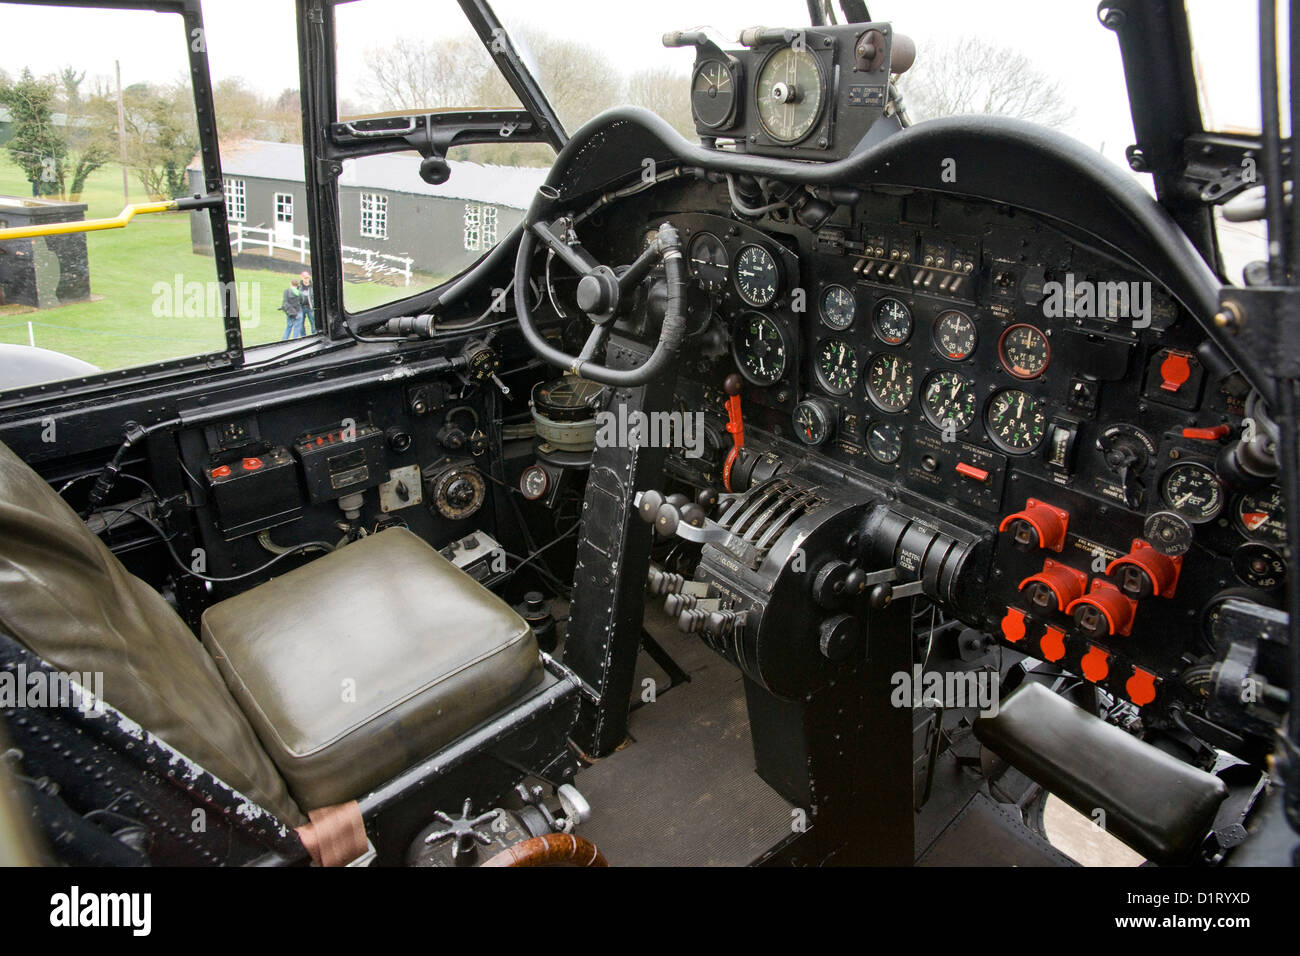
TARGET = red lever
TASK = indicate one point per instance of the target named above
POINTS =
(1048, 522)
(1158, 575)
(1213, 433)
(735, 425)
(972, 472)
(1063, 581)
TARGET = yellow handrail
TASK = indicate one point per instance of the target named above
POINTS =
(88, 225)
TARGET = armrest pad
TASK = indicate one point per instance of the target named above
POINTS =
(1154, 802)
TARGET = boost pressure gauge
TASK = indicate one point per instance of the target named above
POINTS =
(1192, 490)
(757, 275)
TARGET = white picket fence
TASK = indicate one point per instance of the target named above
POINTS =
(371, 262)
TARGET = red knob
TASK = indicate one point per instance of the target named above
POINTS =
(1055, 587)
(1103, 611)
(1145, 572)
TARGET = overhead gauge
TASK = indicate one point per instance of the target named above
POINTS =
(713, 94)
(813, 420)
(789, 94)
(889, 382)
(757, 276)
(948, 399)
(1262, 516)
(1024, 350)
(954, 335)
(884, 442)
(1192, 490)
(709, 262)
(1016, 421)
(760, 349)
(892, 322)
(838, 307)
(837, 366)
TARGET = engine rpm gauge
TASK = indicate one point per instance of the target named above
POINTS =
(892, 322)
(760, 349)
(1192, 490)
(838, 307)
(756, 275)
(889, 382)
(1024, 350)
(884, 442)
(708, 258)
(788, 92)
(837, 366)
(948, 399)
(1262, 516)
(713, 94)
(954, 335)
(1016, 421)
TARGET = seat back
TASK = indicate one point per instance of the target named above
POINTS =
(67, 598)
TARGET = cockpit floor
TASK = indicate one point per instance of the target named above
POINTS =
(683, 790)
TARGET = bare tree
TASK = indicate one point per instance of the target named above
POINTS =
(664, 91)
(413, 74)
(972, 75)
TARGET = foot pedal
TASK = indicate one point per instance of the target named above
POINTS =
(1158, 805)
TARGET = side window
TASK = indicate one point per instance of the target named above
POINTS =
(149, 292)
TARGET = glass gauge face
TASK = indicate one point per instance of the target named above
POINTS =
(760, 349)
(713, 94)
(812, 426)
(1016, 421)
(838, 307)
(709, 261)
(789, 94)
(533, 482)
(884, 442)
(1192, 490)
(892, 322)
(954, 335)
(948, 399)
(1262, 515)
(1024, 351)
(756, 275)
(837, 366)
(889, 382)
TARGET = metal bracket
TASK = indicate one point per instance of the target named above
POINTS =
(1218, 166)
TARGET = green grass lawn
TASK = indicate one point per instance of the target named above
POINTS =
(133, 318)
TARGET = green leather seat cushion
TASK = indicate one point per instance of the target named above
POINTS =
(363, 662)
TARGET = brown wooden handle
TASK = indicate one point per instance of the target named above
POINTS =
(553, 849)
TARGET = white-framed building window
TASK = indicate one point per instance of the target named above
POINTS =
(284, 207)
(374, 215)
(236, 200)
(480, 226)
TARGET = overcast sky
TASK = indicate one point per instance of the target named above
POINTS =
(255, 39)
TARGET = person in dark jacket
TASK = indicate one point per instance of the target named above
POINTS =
(308, 304)
(291, 306)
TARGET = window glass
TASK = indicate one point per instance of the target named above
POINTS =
(148, 292)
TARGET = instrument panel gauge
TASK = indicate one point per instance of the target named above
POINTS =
(1192, 490)
(838, 307)
(757, 276)
(813, 420)
(1259, 566)
(884, 442)
(837, 366)
(948, 399)
(955, 335)
(713, 94)
(892, 322)
(789, 93)
(760, 349)
(1024, 350)
(708, 257)
(1262, 515)
(889, 382)
(1016, 421)
(534, 481)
